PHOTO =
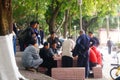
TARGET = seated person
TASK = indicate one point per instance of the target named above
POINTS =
(48, 58)
(30, 58)
(54, 50)
(92, 59)
(54, 38)
(98, 55)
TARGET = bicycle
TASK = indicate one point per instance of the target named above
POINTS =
(115, 71)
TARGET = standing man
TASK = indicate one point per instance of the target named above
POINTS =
(109, 44)
(81, 50)
(93, 40)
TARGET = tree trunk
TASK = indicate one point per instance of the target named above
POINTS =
(53, 19)
(8, 67)
(65, 25)
(5, 17)
(53, 13)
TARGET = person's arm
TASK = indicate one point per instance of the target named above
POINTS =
(51, 51)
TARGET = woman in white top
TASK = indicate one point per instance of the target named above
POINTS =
(67, 47)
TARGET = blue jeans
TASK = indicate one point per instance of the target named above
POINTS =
(14, 44)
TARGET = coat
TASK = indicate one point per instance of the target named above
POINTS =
(31, 58)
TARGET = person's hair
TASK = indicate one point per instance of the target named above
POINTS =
(45, 43)
(82, 31)
(70, 37)
(37, 22)
(32, 22)
(33, 41)
(54, 42)
(90, 32)
(52, 32)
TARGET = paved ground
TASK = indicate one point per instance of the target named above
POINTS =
(107, 60)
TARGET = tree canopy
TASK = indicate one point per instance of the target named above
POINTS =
(53, 14)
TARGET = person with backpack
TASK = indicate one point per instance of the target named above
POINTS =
(81, 50)
(26, 35)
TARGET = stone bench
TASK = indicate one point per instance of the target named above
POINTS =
(74, 73)
(97, 72)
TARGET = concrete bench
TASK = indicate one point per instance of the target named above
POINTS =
(74, 73)
(97, 72)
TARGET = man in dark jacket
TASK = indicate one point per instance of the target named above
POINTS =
(47, 56)
(93, 40)
(53, 38)
(81, 50)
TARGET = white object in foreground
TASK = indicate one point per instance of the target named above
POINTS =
(8, 67)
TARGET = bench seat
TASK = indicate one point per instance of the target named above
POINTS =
(73, 73)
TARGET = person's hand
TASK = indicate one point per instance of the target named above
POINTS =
(75, 58)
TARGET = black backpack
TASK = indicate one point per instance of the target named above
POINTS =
(24, 34)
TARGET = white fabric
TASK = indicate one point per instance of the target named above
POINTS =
(8, 66)
(67, 47)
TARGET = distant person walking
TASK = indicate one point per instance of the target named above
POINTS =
(109, 45)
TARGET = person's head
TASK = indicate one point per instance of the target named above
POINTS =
(52, 33)
(40, 28)
(70, 37)
(46, 45)
(90, 34)
(82, 32)
(33, 40)
(33, 24)
(54, 45)
(37, 24)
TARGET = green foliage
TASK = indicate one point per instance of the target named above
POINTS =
(42, 10)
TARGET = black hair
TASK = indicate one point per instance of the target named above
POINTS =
(32, 22)
(46, 43)
(52, 32)
(37, 22)
(54, 42)
(33, 41)
(90, 32)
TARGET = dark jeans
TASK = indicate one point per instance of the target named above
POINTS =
(83, 61)
(91, 64)
(14, 44)
(67, 61)
(109, 49)
(49, 64)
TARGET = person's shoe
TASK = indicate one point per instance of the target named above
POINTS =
(42, 69)
(31, 69)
